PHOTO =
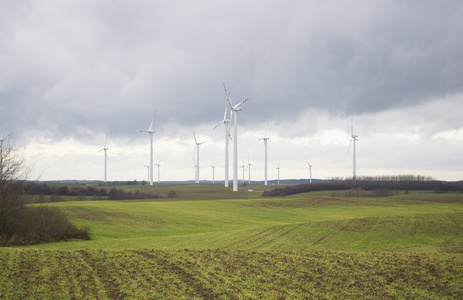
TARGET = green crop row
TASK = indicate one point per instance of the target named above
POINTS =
(228, 274)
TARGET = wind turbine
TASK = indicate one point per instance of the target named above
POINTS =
(310, 166)
(197, 157)
(234, 109)
(243, 166)
(265, 139)
(151, 131)
(159, 166)
(226, 122)
(105, 156)
(354, 138)
(278, 168)
(249, 166)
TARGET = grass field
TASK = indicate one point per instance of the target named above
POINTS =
(210, 243)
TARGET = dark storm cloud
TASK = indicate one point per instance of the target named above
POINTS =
(109, 65)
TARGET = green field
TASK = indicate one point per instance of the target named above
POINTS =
(210, 243)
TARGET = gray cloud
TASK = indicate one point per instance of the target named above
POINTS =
(109, 65)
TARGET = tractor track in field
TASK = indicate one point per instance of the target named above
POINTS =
(188, 278)
(324, 237)
(263, 235)
(112, 287)
(457, 228)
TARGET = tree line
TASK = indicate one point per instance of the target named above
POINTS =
(46, 193)
(380, 184)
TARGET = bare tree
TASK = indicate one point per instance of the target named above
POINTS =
(12, 179)
(20, 224)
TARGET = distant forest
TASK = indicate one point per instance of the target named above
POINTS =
(48, 193)
(376, 186)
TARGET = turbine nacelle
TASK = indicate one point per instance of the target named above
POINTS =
(196, 141)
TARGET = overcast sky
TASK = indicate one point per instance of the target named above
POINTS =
(73, 71)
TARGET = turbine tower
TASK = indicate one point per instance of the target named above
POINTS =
(265, 139)
(244, 167)
(226, 122)
(105, 156)
(197, 157)
(278, 168)
(213, 173)
(159, 172)
(249, 166)
(354, 138)
(151, 131)
(310, 166)
(234, 109)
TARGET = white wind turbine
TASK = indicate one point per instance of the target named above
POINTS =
(105, 156)
(354, 138)
(249, 166)
(234, 109)
(197, 157)
(265, 139)
(278, 168)
(159, 172)
(310, 166)
(151, 131)
(244, 167)
(226, 122)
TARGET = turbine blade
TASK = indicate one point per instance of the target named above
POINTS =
(152, 121)
(106, 139)
(238, 106)
(348, 149)
(228, 130)
(225, 113)
(194, 134)
(228, 96)
(218, 125)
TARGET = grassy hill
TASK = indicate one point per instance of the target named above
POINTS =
(211, 243)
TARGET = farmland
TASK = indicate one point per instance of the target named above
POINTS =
(209, 243)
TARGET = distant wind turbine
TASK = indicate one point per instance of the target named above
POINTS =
(159, 172)
(354, 138)
(265, 139)
(105, 156)
(226, 123)
(243, 166)
(249, 166)
(151, 131)
(310, 166)
(278, 168)
(197, 157)
(234, 108)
